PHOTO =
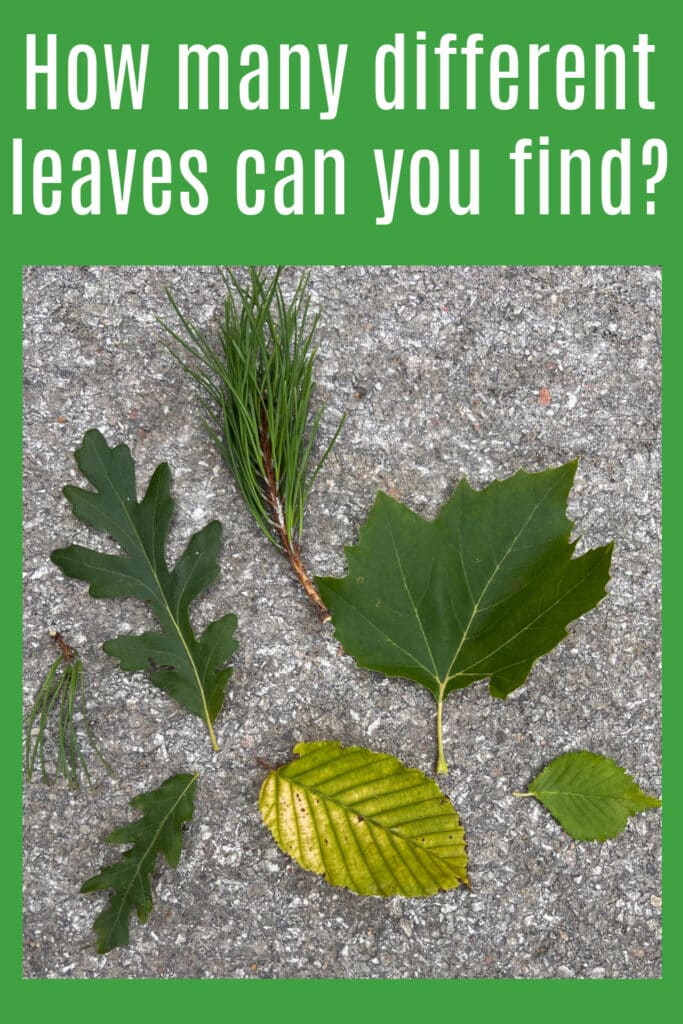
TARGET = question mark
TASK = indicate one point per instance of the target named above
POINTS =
(651, 147)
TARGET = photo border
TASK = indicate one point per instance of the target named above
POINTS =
(223, 237)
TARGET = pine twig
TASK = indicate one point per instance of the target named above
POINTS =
(255, 391)
(289, 545)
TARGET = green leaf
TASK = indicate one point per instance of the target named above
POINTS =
(191, 670)
(481, 592)
(159, 830)
(364, 821)
(591, 796)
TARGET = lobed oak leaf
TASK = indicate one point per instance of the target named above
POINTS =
(192, 670)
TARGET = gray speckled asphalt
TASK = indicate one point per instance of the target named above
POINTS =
(442, 372)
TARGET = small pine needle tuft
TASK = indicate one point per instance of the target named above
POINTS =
(59, 699)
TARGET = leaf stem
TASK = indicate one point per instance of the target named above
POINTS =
(212, 734)
(524, 794)
(441, 766)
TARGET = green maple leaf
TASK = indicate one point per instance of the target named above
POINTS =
(159, 830)
(364, 821)
(591, 796)
(480, 592)
(191, 670)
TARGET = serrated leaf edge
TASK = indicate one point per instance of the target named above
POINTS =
(651, 801)
(274, 778)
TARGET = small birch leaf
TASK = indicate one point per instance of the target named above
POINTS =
(364, 821)
(590, 796)
(159, 830)
(191, 670)
(480, 592)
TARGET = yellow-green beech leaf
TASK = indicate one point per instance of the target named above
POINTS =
(365, 822)
(480, 592)
(590, 796)
(191, 669)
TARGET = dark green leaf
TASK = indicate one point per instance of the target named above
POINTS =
(191, 670)
(365, 822)
(481, 592)
(159, 830)
(591, 796)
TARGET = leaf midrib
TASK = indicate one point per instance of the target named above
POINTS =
(588, 796)
(369, 817)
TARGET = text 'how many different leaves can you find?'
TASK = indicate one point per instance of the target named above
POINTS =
(462, 78)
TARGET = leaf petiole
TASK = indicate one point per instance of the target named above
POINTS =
(441, 765)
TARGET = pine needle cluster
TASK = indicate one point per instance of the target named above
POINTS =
(59, 699)
(255, 389)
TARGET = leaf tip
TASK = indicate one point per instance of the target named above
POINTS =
(92, 437)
